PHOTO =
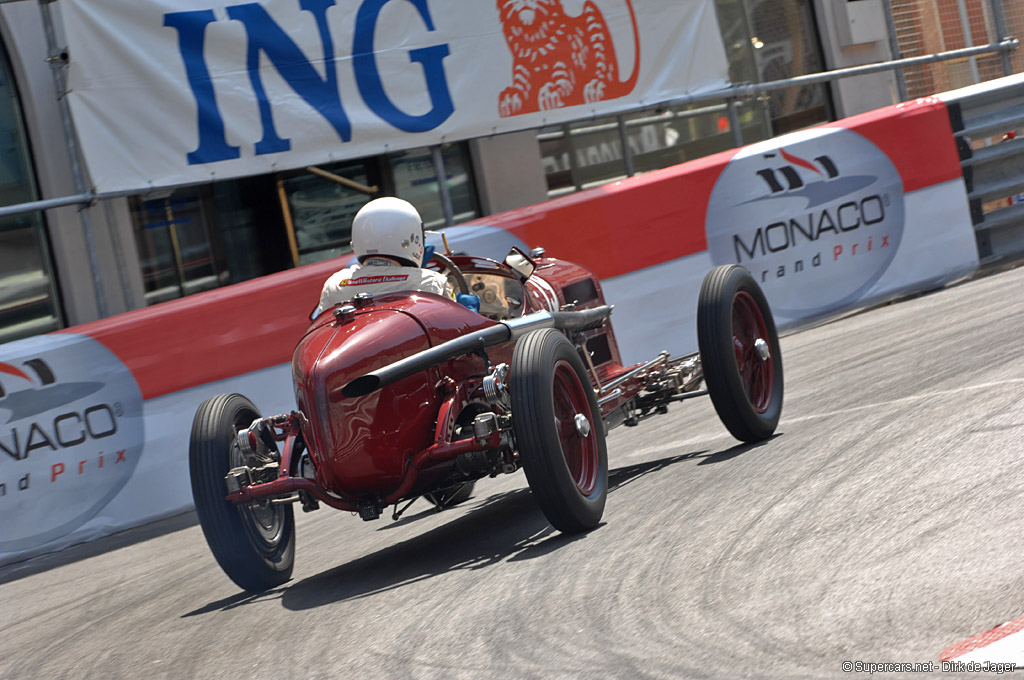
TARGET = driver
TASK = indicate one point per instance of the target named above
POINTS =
(388, 242)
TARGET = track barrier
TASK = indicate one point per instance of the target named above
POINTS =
(828, 219)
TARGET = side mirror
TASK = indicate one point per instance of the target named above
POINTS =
(520, 263)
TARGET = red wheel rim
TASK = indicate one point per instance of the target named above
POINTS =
(579, 449)
(756, 373)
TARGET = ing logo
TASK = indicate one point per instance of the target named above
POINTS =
(560, 60)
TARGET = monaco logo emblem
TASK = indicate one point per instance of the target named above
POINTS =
(816, 216)
(71, 434)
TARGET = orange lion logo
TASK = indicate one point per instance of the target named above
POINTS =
(559, 60)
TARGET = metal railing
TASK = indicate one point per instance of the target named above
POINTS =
(919, 27)
(987, 122)
(731, 98)
(730, 95)
(1002, 47)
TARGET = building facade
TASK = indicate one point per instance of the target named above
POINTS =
(66, 266)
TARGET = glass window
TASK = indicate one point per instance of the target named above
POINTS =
(28, 291)
(586, 154)
(764, 40)
(252, 237)
(27, 296)
(673, 135)
(175, 249)
(199, 238)
(784, 38)
(321, 208)
(416, 181)
(582, 154)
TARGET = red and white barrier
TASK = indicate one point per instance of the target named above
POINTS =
(828, 219)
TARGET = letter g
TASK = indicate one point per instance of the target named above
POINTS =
(368, 77)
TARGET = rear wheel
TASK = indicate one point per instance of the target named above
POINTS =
(254, 543)
(559, 431)
(739, 350)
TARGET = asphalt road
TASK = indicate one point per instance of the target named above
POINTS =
(881, 524)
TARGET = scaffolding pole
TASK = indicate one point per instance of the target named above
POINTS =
(58, 58)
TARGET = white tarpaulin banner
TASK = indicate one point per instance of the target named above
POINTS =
(168, 92)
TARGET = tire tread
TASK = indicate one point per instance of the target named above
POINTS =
(714, 338)
(532, 401)
(221, 522)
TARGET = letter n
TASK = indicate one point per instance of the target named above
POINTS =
(213, 145)
(322, 94)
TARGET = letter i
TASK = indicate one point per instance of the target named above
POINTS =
(869, 244)
(101, 459)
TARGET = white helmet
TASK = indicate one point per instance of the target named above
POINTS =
(388, 227)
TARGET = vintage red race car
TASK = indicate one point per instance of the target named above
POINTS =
(411, 395)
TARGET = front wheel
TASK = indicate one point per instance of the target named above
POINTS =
(254, 543)
(739, 351)
(559, 431)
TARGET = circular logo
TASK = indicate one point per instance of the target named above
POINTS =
(816, 216)
(71, 434)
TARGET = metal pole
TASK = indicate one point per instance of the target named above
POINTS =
(627, 153)
(442, 186)
(289, 224)
(574, 169)
(46, 204)
(897, 53)
(965, 26)
(58, 61)
(752, 89)
(1000, 21)
(115, 240)
(734, 124)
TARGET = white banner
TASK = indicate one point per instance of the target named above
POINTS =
(167, 92)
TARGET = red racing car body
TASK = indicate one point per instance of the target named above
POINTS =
(411, 395)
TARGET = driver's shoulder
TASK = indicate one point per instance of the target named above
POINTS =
(434, 282)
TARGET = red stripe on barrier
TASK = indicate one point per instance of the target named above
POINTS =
(916, 136)
(658, 217)
(613, 229)
(624, 226)
(982, 640)
(217, 334)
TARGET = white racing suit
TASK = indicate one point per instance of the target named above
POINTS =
(377, 280)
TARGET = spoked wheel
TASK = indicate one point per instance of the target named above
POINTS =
(255, 543)
(559, 431)
(739, 350)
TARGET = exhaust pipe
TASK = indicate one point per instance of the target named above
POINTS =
(503, 331)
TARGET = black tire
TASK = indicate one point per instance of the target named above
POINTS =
(254, 544)
(745, 388)
(567, 470)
